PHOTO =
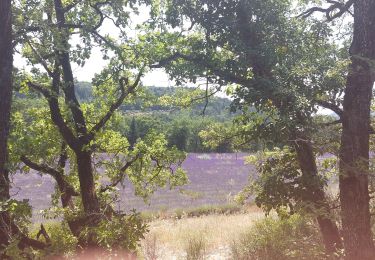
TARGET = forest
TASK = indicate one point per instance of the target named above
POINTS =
(259, 147)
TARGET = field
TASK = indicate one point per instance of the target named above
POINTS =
(171, 238)
(214, 180)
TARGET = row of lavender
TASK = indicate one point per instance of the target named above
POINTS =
(213, 179)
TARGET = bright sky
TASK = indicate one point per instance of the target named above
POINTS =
(96, 63)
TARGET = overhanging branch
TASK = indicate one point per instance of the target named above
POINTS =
(335, 10)
(57, 175)
(225, 75)
(335, 108)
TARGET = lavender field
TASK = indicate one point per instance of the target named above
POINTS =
(214, 179)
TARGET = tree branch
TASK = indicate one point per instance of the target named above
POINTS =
(227, 76)
(329, 11)
(56, 115)
(331, 106)
(64, 186)
(43, 232)
(124, 93)
(121, 175)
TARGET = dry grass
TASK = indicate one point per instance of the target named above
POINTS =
(218, 231)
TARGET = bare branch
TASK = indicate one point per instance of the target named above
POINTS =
(41, 60)
(332, 107)
(335, 10)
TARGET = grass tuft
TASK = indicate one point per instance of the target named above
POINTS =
(195, 248)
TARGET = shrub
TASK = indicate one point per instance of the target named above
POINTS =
(120, 233)
(212, 209)
(63, 242)
(279, 239)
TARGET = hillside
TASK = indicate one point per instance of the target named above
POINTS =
(217, 107)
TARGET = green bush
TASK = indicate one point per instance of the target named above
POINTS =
(275, 239)
(62, 244)
(120, 233)
(206, 210)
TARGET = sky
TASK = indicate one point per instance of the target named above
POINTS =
(95, 63)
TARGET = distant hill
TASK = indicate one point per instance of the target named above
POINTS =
(217, 107)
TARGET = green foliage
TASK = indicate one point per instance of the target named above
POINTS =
(279, 239)
(280, 184)
(206, 210)
(14, 252)
(201, 211)
(179, 137)
(272, 61)
(133, 134)
(63, 242)
(20, 212)
(120, 233)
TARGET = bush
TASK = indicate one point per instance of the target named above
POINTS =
(120, 233)
(206, 210)
(62, 244)
(274, 239)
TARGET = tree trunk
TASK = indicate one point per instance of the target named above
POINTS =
(86, 181)
(327, 225)
(354, 151)
(6, 64)
(85, 171)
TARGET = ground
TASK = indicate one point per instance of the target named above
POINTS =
(170, 238)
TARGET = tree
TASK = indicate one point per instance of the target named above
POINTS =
(133, 134)
(271, 57)
(6, 66)
(8, 228)
(77, 132)
(179, 136)
(355, 118)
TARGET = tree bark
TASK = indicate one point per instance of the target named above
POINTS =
(354, 150)
(6, 64)
(328, 228)
(86, 181)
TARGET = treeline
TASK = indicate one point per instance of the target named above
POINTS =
(181, 125)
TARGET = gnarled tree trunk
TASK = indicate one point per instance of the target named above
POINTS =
(354, 153)
(328, 228)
